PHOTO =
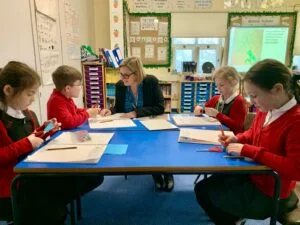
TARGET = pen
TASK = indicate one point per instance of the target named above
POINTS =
(63, 148)
(107, 120)
(233, 157)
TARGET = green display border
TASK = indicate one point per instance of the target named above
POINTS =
(292, 14)
(168, 15)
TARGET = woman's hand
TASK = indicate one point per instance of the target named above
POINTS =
(235, 148)
(35, 141)
(105, 112)
(129, 115)
(198, 110)
(211, 111)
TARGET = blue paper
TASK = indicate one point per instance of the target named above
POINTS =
(115, 149)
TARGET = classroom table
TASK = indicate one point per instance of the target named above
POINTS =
(149, 152)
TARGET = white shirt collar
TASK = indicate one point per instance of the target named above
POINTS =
(228, 100)
(18, 114)
(276, 113)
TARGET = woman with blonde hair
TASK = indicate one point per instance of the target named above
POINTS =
(138, 95)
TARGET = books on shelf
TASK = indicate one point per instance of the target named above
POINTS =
(200, 136)
(113, 57)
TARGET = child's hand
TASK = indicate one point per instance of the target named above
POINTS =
(235, 148)
(211, 111)
(198, 110)
(56, 125)
(47, 129)
(129, 115)
(105, 112)
(93, 112)
(35, 141)
(227, 139)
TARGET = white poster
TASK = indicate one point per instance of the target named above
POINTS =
(149, 51)
(136, 51)
(163, 29)
(162, 53)
(47, 7)
(149, 23)
(49, 51)
(134, 28)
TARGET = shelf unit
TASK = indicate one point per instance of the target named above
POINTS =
(195, 93)
(166, 89)
(94, 90)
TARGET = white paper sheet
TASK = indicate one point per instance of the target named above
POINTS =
(94, 124)
(69, 138)
(162, 116)
(200, 136)
(82, 154)
(195, 121)
(158, 124)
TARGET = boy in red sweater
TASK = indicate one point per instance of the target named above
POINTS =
(229, 107)
(60, 105)
(273, 140)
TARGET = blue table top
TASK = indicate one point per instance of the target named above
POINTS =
(149, 151)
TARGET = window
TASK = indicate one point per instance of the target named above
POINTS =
(200, 50)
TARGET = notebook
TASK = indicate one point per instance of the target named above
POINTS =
(200, 136)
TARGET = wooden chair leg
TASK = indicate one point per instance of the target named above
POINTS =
(78, 208)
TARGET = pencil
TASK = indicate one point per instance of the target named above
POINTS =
(63, 148)
(233, 157)
(107, 120)
(222, 130)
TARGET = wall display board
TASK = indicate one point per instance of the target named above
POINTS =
(256, 36)
(48, 38)
(148, 37)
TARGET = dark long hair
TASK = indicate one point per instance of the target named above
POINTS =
(268, 72)
(19, 76)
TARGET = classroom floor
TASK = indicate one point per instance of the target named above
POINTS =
(134, 202)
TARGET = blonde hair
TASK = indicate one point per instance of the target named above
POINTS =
(228, 73)
(135, 65)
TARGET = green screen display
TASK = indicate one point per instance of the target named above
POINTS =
(248, 45)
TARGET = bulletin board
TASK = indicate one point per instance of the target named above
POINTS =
(147, 36)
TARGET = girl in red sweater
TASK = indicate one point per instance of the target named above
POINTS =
(273, 140)
(42, 200)
(229, 107)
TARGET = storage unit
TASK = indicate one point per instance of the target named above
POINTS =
(196, 93)
(166, 89)
(94, 84)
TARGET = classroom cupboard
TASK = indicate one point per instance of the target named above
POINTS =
(94, 85)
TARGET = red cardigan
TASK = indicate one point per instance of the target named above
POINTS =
(277, 146)
(9, 154)
(65, 111)
(237, 114)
